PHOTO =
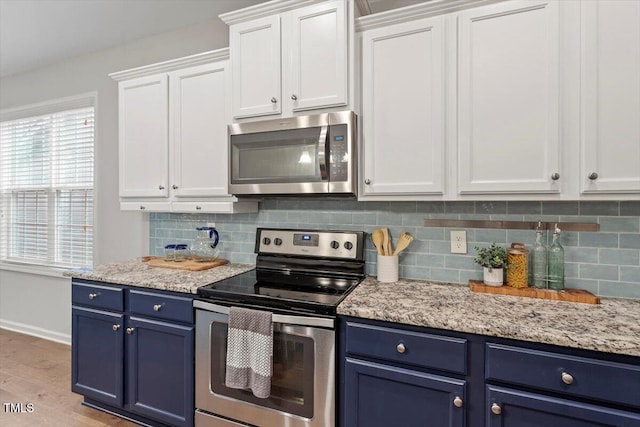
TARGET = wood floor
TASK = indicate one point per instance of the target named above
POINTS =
(37, 371)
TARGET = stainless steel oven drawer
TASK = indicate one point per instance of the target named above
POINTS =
(203, 419)
(161, 306)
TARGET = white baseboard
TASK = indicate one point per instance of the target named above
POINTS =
(35, 331)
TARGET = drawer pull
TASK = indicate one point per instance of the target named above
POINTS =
(457, 402)
(567, 378)
(401, 348)
(130, 331)
(93, 296)
(115, 327)
(157, 307)
(496, 409)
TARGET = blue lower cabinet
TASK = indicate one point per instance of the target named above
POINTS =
(514, 408)
(160, 370)
(96, 357)
(380, 395)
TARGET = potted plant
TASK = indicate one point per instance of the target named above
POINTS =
(493, 261)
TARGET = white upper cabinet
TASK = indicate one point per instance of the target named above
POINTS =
(610, 133)
(290, 61)
(403, 109)
(144, 137)
(508, 99)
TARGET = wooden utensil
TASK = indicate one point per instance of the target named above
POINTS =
(386, 244)
(378, 240)
(404, 240)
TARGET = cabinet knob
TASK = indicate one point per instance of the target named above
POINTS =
(294, 97)
(457, 402)
(198, 208)
(593, 176)
(496, 409)
(274, 100)
(567, 378)
(175, 187)
(401, 348)
(555, 176)
(115, 327)
(130, 331)
(160, 187)
(142, 208)
(367, 181)
(93, 296)
(157, 307)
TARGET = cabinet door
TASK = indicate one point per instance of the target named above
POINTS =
(199, 130)
(403, 108)
(160, 370)
(255, 64)
(315, 62)
(144, 137)
(512, 408)
(381, 396)
(508, 99)
(610, 97)
(97, 360)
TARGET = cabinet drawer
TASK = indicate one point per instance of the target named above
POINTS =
(414, 348)
(161, 306)
(97, 296)
(577, 376)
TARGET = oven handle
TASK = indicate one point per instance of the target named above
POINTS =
(320, 322)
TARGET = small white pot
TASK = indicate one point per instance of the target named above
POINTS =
(493, 276)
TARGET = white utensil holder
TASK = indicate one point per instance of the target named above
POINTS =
(387, 268)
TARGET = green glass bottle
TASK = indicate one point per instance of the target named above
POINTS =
(556, 262)
(539, 261)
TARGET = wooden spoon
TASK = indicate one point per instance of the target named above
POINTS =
(386, 244)
(404, 240)
(378, 240)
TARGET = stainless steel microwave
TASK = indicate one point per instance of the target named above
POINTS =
(303, 155)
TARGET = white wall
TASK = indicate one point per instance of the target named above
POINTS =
(41, 304)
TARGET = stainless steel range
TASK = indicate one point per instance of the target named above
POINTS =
(301, 276)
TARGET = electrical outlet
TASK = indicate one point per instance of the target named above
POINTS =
(211, 224)
(458, 242)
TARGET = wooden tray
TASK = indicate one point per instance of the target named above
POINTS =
(571, 295)
(190, 264)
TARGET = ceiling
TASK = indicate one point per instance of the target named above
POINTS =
(34, 33)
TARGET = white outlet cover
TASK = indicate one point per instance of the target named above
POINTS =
(458, 242)
(211, 224)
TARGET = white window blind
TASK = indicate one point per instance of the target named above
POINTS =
(46, 188)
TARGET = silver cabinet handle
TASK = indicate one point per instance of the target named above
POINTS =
(157, 307)
(496, 409)
(93, 296)
(160, 187)
(593, 176)
(175, 187)
(567, 378)
(555, 176)
(142, 208)
(198, 208)
(130, 331)
(367, 181)
(401, 348)
(115, 327)
(274, 100)
(457, 402)
(294, 97)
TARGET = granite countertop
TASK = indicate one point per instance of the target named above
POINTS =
(137, 273)
(612, 326)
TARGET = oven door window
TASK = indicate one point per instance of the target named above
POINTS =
(293, 371)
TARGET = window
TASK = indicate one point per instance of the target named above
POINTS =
(46, 184)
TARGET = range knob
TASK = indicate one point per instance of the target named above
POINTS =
(348, 245)
(335, 244)
(277, 241)
(266, 241)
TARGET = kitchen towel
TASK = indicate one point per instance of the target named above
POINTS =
(250, 351)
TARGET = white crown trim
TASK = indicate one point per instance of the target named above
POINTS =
(263, 9)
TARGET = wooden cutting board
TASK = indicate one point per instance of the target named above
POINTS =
(189, 265)
(571, 295)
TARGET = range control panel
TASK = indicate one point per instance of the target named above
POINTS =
(316, 243)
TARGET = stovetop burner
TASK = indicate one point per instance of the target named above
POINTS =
(296, 270)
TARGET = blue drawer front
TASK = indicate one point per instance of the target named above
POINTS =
(591, 378)
(161, 306)
(419, 349)
(96, 296)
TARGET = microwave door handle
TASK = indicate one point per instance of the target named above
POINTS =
(322, 153)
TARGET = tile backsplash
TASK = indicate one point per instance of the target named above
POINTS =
(606, 262)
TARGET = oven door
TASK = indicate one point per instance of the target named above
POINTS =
(303, 381)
